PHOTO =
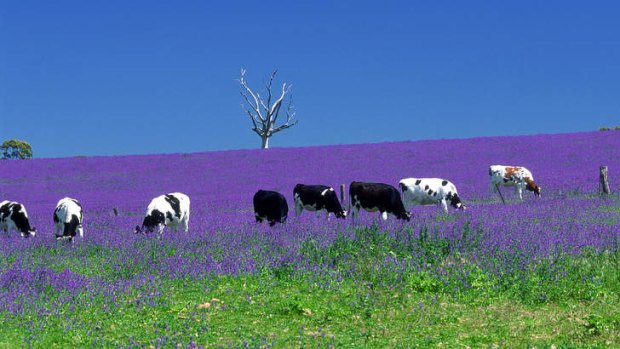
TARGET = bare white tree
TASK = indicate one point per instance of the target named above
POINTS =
(264, 112)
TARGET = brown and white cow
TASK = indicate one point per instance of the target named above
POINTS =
(512, 176)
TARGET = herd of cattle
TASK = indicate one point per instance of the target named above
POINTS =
(172, 210)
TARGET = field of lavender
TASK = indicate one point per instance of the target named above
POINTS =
(541, 272)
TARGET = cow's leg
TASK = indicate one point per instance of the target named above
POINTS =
(12, 227)
(328, 214)
(298, 208)
(444, 205)
(185, 223)
(384, 215)
(500, 193)
(520, 192)
(57, 230)
(491, 187)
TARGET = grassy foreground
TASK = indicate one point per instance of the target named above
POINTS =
(368, 308)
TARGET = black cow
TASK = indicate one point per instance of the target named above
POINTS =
(374, 197)
(317, 198)
(13, 216)
(270, 206)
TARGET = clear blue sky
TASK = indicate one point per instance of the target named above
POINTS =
(135, 77)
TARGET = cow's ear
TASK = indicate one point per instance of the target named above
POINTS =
(137, 230)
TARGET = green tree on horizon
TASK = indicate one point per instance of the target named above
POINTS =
(15, 149)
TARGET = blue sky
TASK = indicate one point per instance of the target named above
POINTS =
(136, 77)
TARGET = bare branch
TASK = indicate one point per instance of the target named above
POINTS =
(275, 108)
(273, 75)
(255, 108)
(284, 127)
(255, 122)
(290, 108)
(265, 107)
(256, 104)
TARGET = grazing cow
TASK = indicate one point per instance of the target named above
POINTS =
(519, 177)
(166, 210)
(430, 191)
(68, 219)
(374, 197)
(317, 198)
(13, 216)
(270, 206)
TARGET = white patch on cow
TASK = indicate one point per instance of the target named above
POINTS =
(324, 192)
(384, 215)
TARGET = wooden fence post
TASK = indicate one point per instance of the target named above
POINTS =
(604, 180)
(342, 193)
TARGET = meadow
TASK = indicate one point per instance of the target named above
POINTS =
(541, 273)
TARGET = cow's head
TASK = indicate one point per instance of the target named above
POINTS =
(30, 232)
(531, 186)
(155, 220)
(341, 214)
(332, 204)
(404, 215)
(455, 201)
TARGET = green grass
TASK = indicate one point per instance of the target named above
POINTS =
(261, 310)
(563, 301)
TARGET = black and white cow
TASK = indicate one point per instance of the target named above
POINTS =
(166, 210)
(270, 206)
(68, 219)
(317, 198)
(374, 197)
(512, 176)
(430, 191)
(13, 216)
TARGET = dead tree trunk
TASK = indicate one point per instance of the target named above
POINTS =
(604, 180)
(342, 187)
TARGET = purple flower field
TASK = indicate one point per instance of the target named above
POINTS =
(224, 238)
